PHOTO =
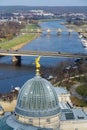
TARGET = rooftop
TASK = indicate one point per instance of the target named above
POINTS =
(72, 114)
(61, 90)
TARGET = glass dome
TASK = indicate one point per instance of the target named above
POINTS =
(37, 98)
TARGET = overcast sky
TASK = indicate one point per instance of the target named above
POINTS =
(45, 2)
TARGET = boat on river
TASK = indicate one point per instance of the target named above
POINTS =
(84, 42)
(15, 89)
(80, 36)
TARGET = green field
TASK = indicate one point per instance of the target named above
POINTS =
(23, 39)
(30, 27)
(78, 102)
(82, 90)
(20, 40)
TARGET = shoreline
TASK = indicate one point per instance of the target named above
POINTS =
(17, 47)
(8, 106)
(77, 29)
(21, 40)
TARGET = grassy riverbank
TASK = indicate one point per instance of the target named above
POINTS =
(18, 42)
(81, 28)
(21, 40)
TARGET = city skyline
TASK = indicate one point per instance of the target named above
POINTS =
(44, 3)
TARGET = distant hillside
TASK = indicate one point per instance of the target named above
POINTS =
(59, 9)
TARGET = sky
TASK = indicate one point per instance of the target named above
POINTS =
(44, 2)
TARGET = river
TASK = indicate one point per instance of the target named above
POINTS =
(12, 76)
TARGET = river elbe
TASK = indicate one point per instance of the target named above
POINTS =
(11, 76)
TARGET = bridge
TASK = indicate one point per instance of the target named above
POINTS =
(16, 54)
(48, 30)
(41, 53)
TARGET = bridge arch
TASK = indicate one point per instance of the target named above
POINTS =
(16, 60)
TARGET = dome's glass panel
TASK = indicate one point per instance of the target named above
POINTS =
(37, 97)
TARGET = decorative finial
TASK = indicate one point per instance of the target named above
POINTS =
(37, 65)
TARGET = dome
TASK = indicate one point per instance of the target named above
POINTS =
(37, 98)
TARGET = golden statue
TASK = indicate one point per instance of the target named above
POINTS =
(37, 64)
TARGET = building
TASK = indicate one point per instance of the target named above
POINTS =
(40, 106)
(1, 110)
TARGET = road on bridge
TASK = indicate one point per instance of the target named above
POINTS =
(41, 53)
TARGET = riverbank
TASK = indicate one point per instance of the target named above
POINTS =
(80, 29)
(8, 106)
(19, 41)
(23, 44)
(22, 39)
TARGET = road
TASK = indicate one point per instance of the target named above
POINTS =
(41, 53)
(73, 90)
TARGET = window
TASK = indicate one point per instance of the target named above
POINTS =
(30, 121)
(48, 120)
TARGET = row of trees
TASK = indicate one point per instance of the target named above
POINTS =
(10, 29)
(66, 69)
(9, 96)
